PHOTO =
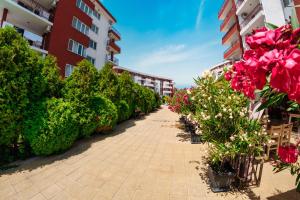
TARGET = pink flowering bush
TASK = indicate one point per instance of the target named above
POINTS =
(181, 102)
(274, 59)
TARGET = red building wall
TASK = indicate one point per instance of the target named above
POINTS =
(62, 30)
(297, 3)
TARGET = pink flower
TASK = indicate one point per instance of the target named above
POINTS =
(288, 154)
(228, 75)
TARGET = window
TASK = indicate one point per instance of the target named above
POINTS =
(93, 44)
(92, 60)
(94, 28)
(77, 48)
(80, 26)
(97, 15)
(85, 8)
(69, 70)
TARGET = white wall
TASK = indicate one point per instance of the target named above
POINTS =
(273, 10)
(101, 38)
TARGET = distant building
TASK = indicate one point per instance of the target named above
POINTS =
(162, 85)
(71, 30)
(218, 69)
(231, 27)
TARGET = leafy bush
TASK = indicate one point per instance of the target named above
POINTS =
(124, 111)
(106, 113)
(127, 91)
(21, 83)
(80, 89)
(108, 83)
(52, 78)
(51, 127)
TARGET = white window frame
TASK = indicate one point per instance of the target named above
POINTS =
(76, 48)
(91, 59)
(80, 26)
(68, 70)
(85, 8)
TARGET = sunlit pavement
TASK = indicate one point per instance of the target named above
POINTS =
(148, 158)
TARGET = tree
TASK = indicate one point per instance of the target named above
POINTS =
(80, 88)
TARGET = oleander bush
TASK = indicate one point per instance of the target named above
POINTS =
(50, 126)
(127, 92)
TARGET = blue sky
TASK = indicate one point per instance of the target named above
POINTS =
(173, 38)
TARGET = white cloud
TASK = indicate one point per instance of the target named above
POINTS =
(182, 62)
(164, 55)
(200, 14)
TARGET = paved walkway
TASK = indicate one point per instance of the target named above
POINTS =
(142, 160)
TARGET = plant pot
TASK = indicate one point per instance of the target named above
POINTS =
(220, 182)
(196, 139)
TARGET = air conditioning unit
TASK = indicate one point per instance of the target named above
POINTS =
(244, 15)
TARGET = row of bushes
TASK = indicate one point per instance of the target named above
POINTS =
(43, 114)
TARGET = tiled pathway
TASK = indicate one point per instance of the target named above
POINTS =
(141, 160)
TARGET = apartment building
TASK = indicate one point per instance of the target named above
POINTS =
(231, 28)
(71, 30)
(162, 85)
(218, 69)
(253, 14)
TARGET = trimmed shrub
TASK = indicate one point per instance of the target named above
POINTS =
(53, 81)
(21, 83)
(50, 127)
(124, 111)
(108, 84)
(80, 88)
(127, 91)
(106, 113)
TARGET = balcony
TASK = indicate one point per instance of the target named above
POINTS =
(114, 61)
(27, 14)
(113, 47)
(227, 5)
(231, 35)
(234, 52)
(229, 20)
(253, 20)
(114, 34)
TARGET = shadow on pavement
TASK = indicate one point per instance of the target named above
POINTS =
(79, 147)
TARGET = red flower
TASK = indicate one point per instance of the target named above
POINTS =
(288, 154)
(228, 75)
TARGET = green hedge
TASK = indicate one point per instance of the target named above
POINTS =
(51, 127)
(44, 113)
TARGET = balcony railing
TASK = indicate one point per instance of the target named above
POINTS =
(229, 15)
(34, 7)
(235, 45)
(115, 30)
(251, 15)
(114, 60)
(113, 45)
(223, 7)
(229, 32)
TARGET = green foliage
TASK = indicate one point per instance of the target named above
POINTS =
(80, 88)
(127, 91)
(21, 83)
(145, 99)
(51, 127)
(124, 111)
(105, 111)
(52, 78)
(108, 83)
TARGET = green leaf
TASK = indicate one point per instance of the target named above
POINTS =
(270, 26)
(294, 20)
